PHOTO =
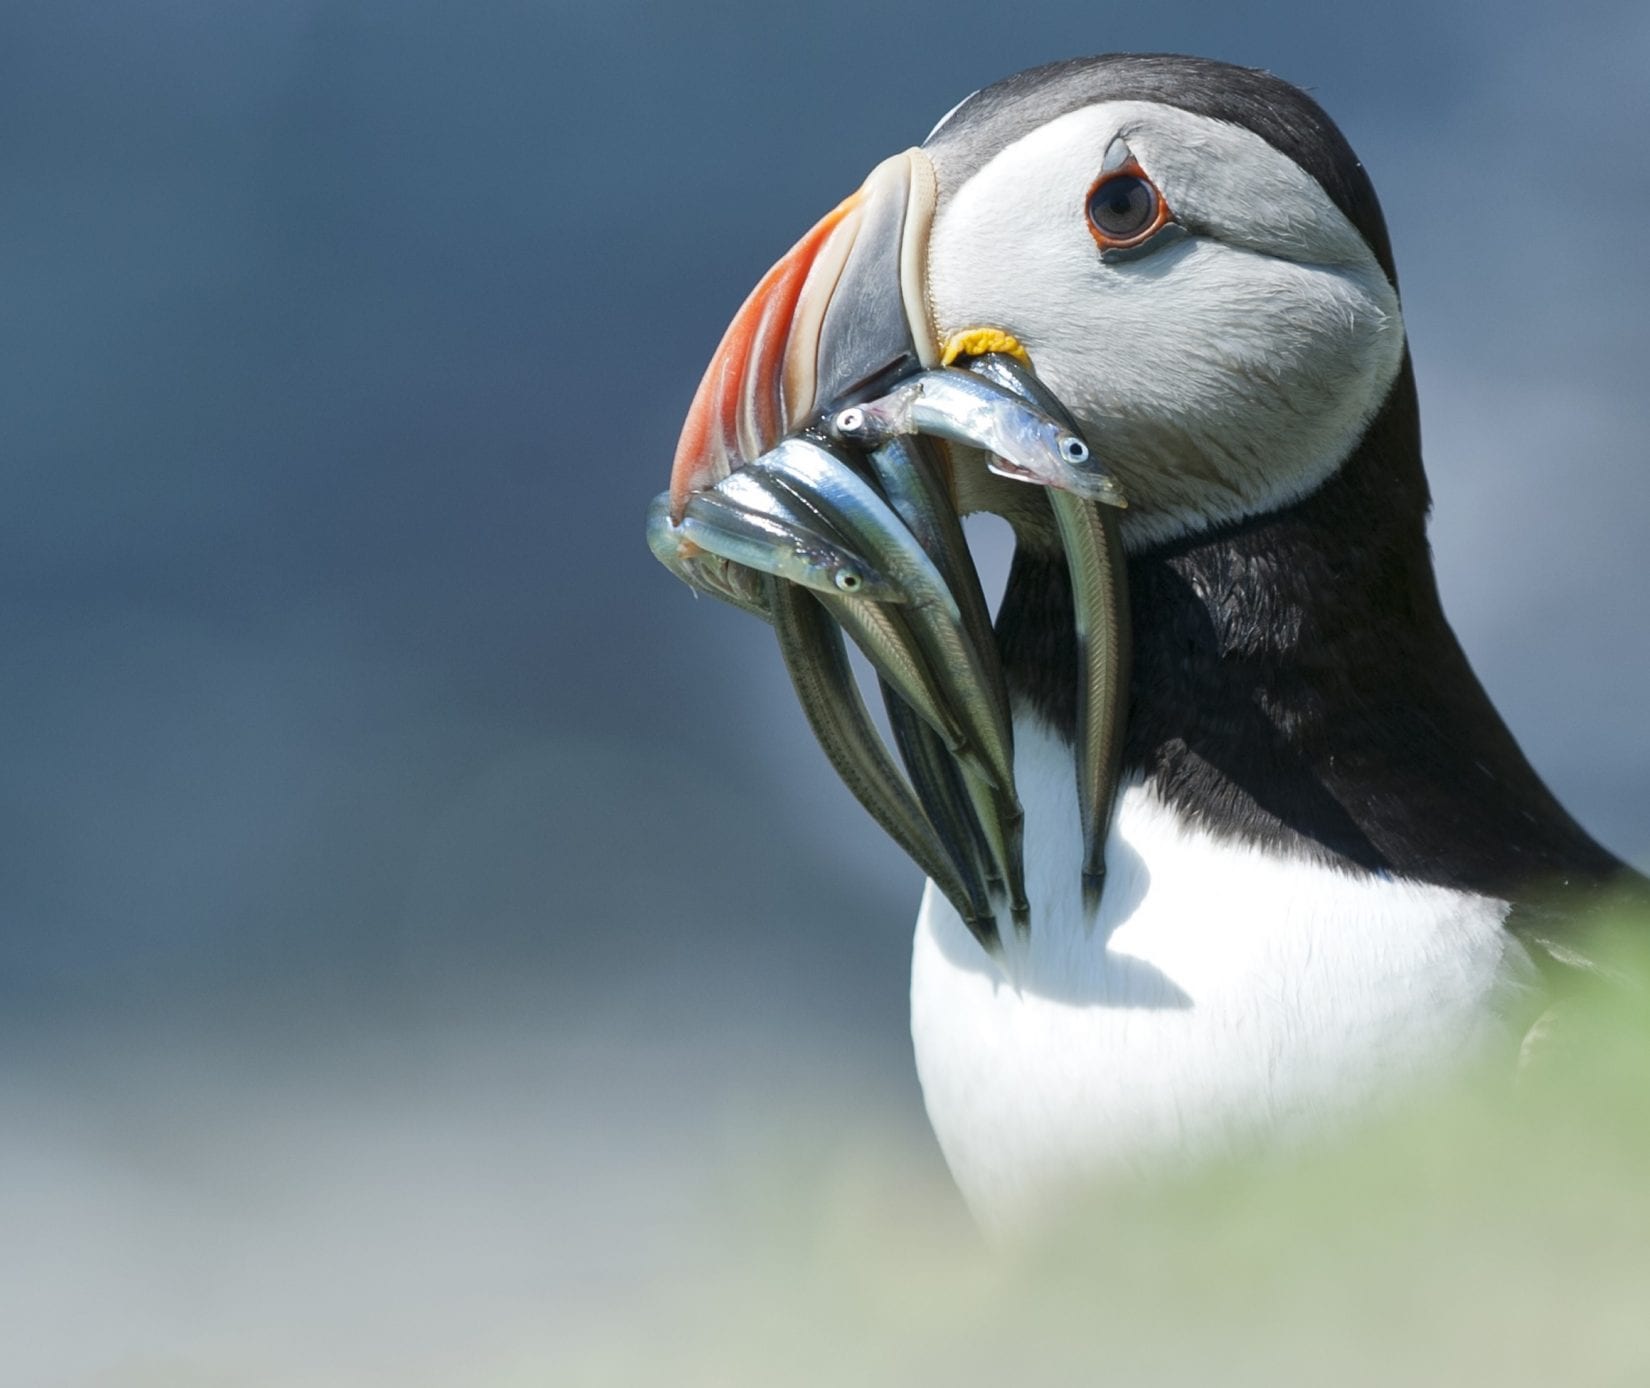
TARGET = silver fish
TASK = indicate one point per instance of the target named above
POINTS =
(921, 645)
(1023, 441)
(811, 645)
(1099, 587)
(921, 650)
(938, 782)
(988, 815)
(1000, 817)
(909, 474)
(883, 635)
(896, 652)
(704, 573)
(834, 490)
(719, 524)
(886, 637)
(766, 492)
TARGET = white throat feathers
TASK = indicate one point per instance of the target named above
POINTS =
(1226, 996)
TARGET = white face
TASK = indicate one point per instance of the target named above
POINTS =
(1220, 374)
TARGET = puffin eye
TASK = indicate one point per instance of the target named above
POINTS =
(1125, 208)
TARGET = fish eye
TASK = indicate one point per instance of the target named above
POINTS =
(850, 421)
(1125, 208)
(848, 581)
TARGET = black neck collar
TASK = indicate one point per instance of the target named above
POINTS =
(1296, 685)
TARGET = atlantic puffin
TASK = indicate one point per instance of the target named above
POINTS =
(1329, 868)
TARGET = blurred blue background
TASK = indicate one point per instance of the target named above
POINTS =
(376, 813)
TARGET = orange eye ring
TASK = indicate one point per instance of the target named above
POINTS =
(1125, 208)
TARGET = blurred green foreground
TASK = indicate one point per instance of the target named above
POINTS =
(494, 1197)
(1496, 1233)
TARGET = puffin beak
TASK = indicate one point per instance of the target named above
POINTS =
(842, 312)
(840, 320)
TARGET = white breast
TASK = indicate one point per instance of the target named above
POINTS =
(1224, 994)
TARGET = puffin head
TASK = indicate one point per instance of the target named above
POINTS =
(1188, 253)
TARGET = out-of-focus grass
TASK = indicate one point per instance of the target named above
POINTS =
(1496, 1232)
(426, 1202)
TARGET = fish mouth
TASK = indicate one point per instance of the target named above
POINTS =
(844, 310)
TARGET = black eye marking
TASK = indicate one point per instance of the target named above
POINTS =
(1125, 208)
